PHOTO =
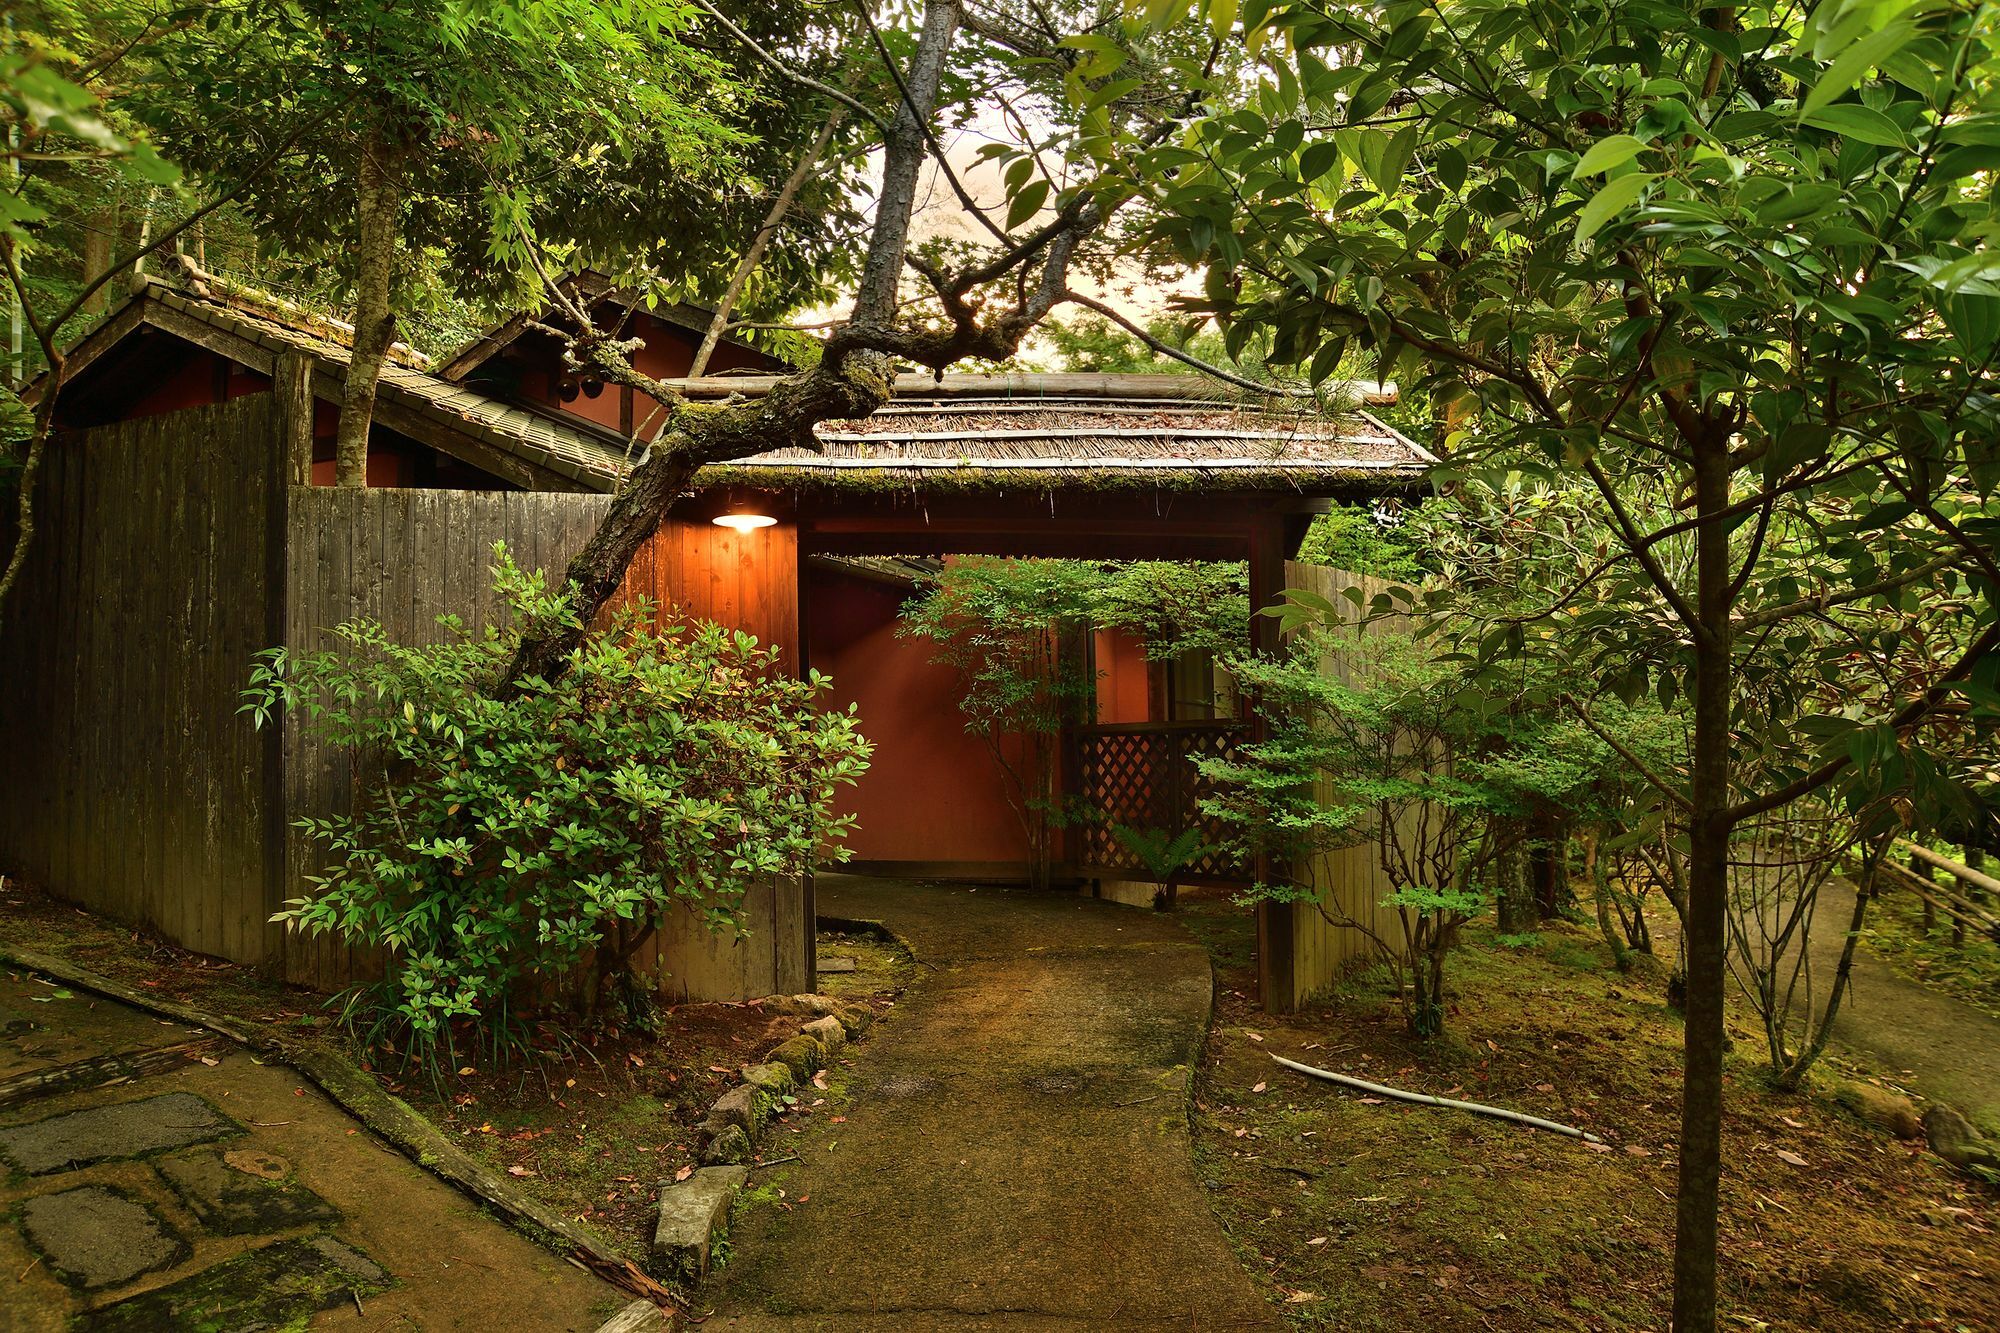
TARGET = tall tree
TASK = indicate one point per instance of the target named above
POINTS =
(964, 61)
(72, 148)
(413, 120)
(1732, 257)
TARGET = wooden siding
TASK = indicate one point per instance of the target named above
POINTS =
(404, 557)
(131, 784)
(1351, 881)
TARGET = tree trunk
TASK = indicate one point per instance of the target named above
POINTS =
(378, 199)
(98, 231)
(754, 256)
(1516, 908)
(853, 387)
(1548, 865)
(1695, 1222)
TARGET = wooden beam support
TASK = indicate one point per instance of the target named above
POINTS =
(292, 391)
(1276, 922)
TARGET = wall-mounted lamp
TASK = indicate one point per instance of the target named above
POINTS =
(743, 520)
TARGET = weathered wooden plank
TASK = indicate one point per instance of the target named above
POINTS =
(120, 704)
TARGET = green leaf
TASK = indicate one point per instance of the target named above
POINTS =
(1605, 154)
(1614, 198)
(1863, 124)
(1026, 203)
(1856, 60)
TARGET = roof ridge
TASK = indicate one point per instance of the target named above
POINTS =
(246, 299)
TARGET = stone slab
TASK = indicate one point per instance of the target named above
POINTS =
(243, 1192)
(693, 1213)
(122, 1129)
(837, 965)
(96, 1237)
(276, 1287)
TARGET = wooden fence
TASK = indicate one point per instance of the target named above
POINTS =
(129, 783)
(174, 548)
(1351, 882)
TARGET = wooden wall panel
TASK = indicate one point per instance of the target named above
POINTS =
(131, 783)
(1350, 881)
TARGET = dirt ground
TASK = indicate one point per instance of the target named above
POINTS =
(1361, 1214)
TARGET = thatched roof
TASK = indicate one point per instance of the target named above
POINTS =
(1091, 442)
(1012, 432)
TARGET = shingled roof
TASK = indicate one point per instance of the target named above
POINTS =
(965, 432)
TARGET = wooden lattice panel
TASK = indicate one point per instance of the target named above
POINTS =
(1143, 775)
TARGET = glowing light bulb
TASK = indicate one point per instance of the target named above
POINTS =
(745, 522)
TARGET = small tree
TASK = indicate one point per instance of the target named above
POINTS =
(1008, 628)
(1392, 763)
(499, 849)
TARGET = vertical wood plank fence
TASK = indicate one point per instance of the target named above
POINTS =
(1350, 881)
(172, 549)
(128, 781)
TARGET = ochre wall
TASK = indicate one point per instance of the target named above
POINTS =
(932, 791)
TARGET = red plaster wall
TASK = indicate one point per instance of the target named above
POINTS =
(193, 384)
(932, 791)
(1124, 678)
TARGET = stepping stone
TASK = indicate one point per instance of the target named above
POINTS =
(279, 1286)
(245, 1191)
(125, 1129)
(96, 1237)
(838, 964)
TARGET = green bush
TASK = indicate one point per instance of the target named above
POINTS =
(498, 851)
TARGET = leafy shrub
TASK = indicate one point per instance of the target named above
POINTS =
(497, 848)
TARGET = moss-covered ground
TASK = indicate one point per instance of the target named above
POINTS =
(1363, 1214)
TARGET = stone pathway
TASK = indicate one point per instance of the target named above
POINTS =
(218, 1192)
(1920, 1036)
(1017, 1154)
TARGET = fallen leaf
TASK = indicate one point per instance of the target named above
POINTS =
(1635, 1150)
(1786, 1155)
(1259, 1088)
(1795, 1124)
(683, 1173)
(1371, 1101)
(519, 1171)
(1317, 1240)
(1301, 1297)
(467, 1072)
(1254, 1036)
(210, 1061)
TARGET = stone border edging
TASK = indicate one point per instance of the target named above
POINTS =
(694, 1213)
(389, 1118)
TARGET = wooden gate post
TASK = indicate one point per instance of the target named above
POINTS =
(1276, 922)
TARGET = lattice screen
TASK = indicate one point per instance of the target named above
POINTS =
(1143, 775)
